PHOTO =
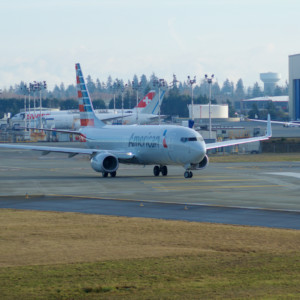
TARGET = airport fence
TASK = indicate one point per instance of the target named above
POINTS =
(274, 146)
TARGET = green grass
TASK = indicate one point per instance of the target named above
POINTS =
(207, 276)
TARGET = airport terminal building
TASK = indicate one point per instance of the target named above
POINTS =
(294, 86)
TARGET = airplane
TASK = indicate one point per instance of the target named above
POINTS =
(158, 145)
(147, 112)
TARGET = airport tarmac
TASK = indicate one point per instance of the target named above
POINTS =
(256, 188)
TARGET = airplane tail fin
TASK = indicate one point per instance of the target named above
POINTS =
(144, 103)
(153, 106)
(86, 110)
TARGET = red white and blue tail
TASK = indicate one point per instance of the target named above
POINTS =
(86, 110)
(146, 100)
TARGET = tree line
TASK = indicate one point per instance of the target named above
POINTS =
(177, 97)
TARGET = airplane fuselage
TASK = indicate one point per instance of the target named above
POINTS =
(151, 144)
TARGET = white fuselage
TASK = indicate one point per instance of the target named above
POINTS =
(151, 144)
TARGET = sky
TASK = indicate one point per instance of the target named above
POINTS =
(42, 39)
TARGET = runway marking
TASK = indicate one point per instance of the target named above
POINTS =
(199, 180)
(289, 174)
(214, 187)
(244, 168)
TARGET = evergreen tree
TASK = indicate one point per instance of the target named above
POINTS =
(239, 91)
(144, 83)
(90, 84)
(109, 83)
(256, 92)
(98, 85)
(231, 110)
(227, 87)
(215, 89)
(99, 104)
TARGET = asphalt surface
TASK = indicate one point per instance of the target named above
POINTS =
(193, 213)
(258, 194)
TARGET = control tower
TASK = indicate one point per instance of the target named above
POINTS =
(269, 79)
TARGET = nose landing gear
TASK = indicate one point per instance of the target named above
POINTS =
(188, 174)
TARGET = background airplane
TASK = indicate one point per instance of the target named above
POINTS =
(144, 113)
(158, 145)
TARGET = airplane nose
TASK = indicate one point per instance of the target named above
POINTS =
(198, 151)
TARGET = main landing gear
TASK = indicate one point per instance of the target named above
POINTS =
(160, 169)
(188, 174)
(112, 174)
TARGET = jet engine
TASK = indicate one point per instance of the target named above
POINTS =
(105, 163)
(202, 164)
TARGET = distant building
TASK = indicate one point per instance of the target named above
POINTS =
(201, 111)
(269, 79)
(262, 102)
(294, 86)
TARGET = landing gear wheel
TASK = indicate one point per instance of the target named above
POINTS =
(113, 174)
(164, 170)
(188, 174)
(156, 170)
(104, 174)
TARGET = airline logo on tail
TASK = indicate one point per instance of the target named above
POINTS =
(85, 104)
(146, 100)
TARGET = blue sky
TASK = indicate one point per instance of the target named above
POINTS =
(42, 40)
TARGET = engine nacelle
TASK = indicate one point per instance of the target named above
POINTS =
(105, 162)
(202, 164)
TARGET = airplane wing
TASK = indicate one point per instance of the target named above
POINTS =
(242, 141)
(119, 116)
(55, 130)
(71, 151)
(289, 123)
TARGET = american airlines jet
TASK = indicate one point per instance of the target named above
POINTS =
(158, 145)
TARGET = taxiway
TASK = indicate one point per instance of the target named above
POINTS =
(247, 189)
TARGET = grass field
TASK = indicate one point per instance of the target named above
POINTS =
(48, 255)
(263, 157)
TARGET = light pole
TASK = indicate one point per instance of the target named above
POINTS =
(159, 83)
(122, 91)
(191, 82)
(25, 91)
(209, 81)
(41, 86)
(136, 86)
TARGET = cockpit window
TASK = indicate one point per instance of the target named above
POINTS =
(191, 139)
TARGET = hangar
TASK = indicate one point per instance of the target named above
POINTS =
(294, 86)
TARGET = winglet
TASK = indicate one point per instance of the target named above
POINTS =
(269, 128)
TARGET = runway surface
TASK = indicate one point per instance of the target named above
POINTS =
(262, 194)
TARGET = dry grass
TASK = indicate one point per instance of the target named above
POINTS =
(48, 255)
(30, 238)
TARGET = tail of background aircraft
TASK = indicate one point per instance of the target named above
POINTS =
(86, 110)
(145, 101)
(153, 106)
